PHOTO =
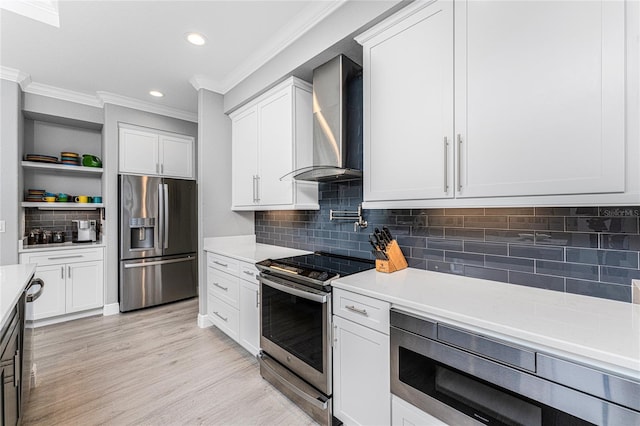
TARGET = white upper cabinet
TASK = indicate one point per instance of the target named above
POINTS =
(271, 137)
(408, 108)
(154, 153)
(497, 103)
(540, 97)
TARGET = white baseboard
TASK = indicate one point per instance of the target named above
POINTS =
(68, 317)
(204, 321)
(111, 309)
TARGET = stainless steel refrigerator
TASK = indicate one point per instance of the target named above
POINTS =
(158, 241)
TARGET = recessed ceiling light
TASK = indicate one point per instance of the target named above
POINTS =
(156, 93)
(197, 39)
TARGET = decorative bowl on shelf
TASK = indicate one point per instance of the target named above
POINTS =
(89, 160)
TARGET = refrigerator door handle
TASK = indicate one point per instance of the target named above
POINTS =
(165, 226)
(161, 212)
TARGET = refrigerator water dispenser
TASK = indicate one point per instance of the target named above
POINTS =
(142, 232)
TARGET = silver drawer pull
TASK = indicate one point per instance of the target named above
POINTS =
(65, 257)
(221, 317)
(219, 286)
(220, 263)
(248, 273)
(359, 311)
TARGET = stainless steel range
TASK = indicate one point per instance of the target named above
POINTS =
(295, 326)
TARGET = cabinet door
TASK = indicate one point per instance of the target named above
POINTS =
(361, 393)
(275, 149)
(176, 156)
(249, 317)
(540, 97)
(138, 152)
(405, 414)
(84, 286)
(408, 107)
(244, 158)
(52, 300)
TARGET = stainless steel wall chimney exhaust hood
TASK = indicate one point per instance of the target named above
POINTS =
(337, 123)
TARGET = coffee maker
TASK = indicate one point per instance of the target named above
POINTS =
(86, 231)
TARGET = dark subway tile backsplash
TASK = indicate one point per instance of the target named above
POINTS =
(592, 251)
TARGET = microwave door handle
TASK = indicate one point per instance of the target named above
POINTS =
(166, 216)
(294, 291)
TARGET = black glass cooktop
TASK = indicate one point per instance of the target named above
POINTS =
(318, 266)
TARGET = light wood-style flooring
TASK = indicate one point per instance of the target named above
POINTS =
(150, 367)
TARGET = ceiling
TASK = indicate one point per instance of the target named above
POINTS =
(128, 48)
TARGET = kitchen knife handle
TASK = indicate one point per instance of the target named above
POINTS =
(446, 165)
(459, 162)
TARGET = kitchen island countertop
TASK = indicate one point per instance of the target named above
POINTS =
(598, 332)
(246, 249)
(13, 280)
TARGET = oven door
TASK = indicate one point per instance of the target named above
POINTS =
(295, 324)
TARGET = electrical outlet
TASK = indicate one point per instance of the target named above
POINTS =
(2, 226)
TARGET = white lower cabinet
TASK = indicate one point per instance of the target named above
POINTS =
(74, 281)
(405, 414)
(232, 299)
(361, 393)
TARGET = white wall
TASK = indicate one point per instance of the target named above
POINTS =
(313, 48)
(214, 177)
(10, 173)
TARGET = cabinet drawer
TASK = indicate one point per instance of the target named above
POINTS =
(248, 272)
(224, 286)
(223, 316)
(372, 313)
(222, 263)
(62, 256)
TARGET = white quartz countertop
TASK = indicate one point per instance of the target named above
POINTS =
(58, 246)
(602, 333)
(13, 281)
(246, 249)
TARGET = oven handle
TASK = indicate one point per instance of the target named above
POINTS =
(322, 405)
(293, 291)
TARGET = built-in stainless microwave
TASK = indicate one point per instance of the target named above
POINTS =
(465, 378)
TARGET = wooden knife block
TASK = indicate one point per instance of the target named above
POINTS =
(396, 260)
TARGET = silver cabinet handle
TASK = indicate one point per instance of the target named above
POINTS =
(352, 308)
(257, 188)
(69, 271)
(446, 165)
(248, 272)
(162, 168)
(16, 369)
(221, 317)
(157, 171)
(220, 263)
(255, 185)
(257, 299)
(459, 162)
(62, 272)
(335, 334)
(221, 287)
(65, 257)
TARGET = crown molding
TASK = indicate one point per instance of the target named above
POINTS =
(112, 98)
(304, 22)
(17, 76)
(45, 11)
(62, 94)
(200, 82)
